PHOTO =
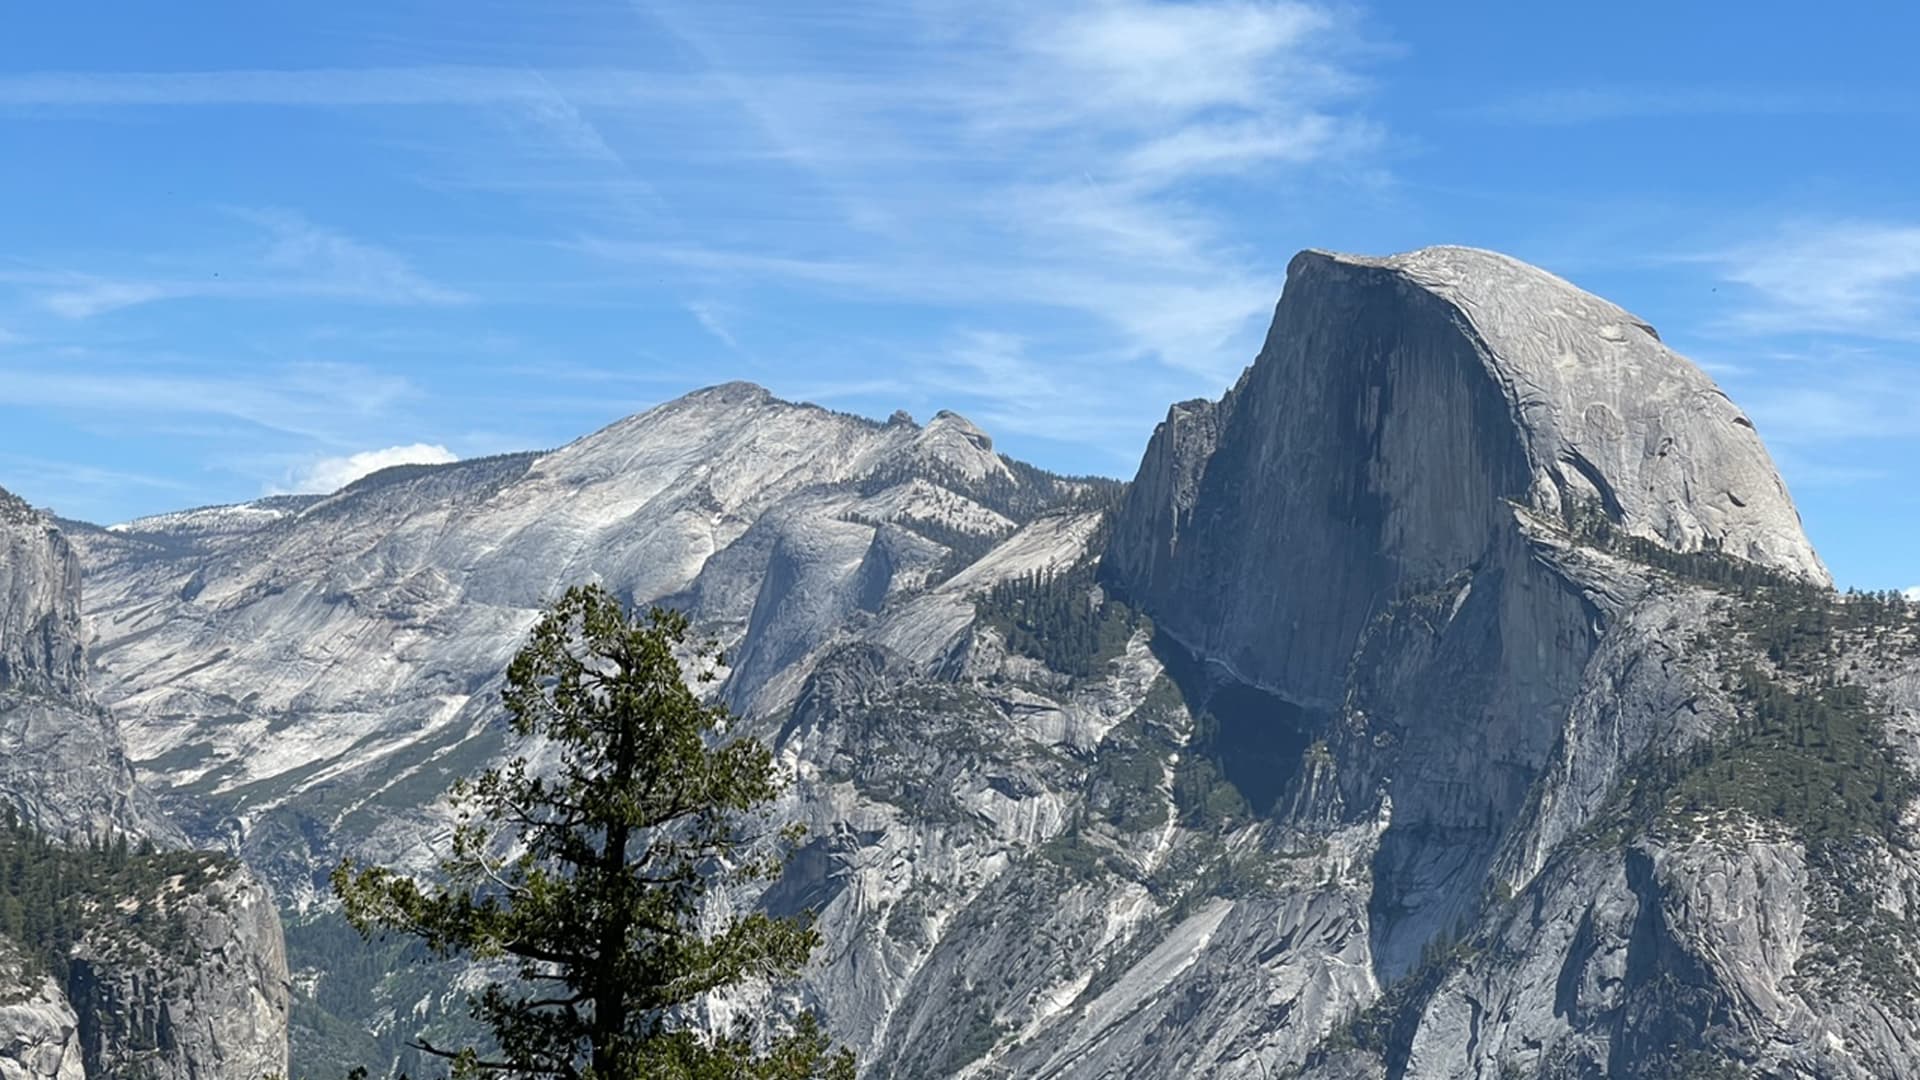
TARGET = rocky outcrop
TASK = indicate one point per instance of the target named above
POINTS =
(1398, 411)
(40, 645)
(39, 1033)
(1406, 423)
(188, 981)
(1389, 522)
(62, 763)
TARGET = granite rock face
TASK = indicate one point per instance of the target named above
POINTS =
(39, 1033)
(190, 983)
(1383, 522)
(1399, 409)
(1405, 423)
(62, 763)
(302, 680)
(1344, 799)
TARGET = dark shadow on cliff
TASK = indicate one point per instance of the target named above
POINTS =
(1248, 743)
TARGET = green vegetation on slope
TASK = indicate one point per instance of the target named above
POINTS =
(1810, 749)
(51, 893)
(1062, 619)
(1066, 619)
(594, 914)
(1809, 752)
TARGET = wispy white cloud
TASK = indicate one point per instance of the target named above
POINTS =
(1065, 175)
(644, 372)
(709, 317)
(1233, 147)
(342, 88)
(1913, 594)
(336, 263)
(320, 402)
(1029, 155)
(1181, 316)
(70, 475)
(1855, 403)
(1804, 473)
(1145, 63)
(330, 474)
(78, 490)
(86, 297)
(1848, 277)
(1816, 344)
(292, 258)
(1000, 381)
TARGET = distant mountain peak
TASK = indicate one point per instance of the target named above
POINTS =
(737, 391)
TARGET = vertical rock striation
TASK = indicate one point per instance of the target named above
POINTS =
(1384, 521)
(1407, 424)
(190, 983)
(62, 764)
(1398, 411)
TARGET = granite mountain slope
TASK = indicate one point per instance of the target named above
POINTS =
(327, 664)
(1403, 720)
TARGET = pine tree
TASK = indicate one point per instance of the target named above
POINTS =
(595, 906)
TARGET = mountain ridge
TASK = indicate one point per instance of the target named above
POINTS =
(1260, 761)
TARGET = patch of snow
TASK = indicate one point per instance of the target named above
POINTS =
(233, 518)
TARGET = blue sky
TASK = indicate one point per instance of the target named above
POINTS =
(254, 247)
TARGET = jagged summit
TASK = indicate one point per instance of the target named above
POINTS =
(705, 424)
(735, 393)
(775, 524)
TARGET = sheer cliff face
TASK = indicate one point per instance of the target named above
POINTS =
(1407, 422)
(39, 1033)
(62, 763)
(39, 604)
(1384, 522)
(1397, 410)
(191, 985)
(181, 981)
